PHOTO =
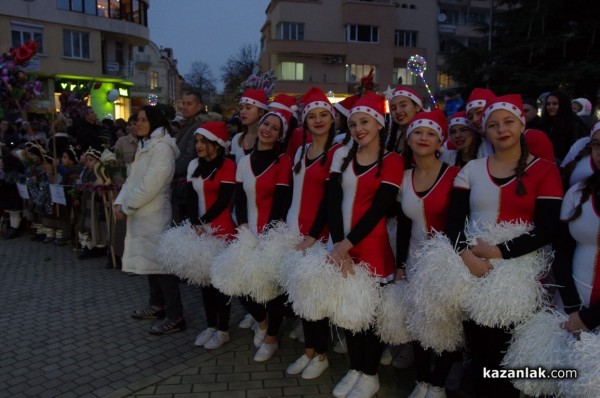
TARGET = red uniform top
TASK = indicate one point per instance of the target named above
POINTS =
(358, 196)
(309, 191)
(539, 144)
(295, 141)
(260, 188)
(208, 192)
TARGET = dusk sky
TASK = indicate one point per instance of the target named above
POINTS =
(205, 30)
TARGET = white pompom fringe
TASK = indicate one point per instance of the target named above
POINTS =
(170, 246)
(308, 278)
(262, 269)
(358, 297)
(511, 292)
(441, 333)
(540, 341)
(392, 314)
(227, 269)
(206, 247)
(584, 355)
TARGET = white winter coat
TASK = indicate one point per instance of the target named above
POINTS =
(146, 199)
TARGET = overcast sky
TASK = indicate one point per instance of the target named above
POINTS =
(205, 30)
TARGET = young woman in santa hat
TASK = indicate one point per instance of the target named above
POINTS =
(212, 178)
(404, 104)
(508, 186)
(252, 106)
(342, 111)
(364, 182)
(308, 212)
(577, 257)
(263, 190)
(424, 201)
(581, 165)
(465, 139)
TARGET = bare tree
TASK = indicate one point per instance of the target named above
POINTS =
(201, 79)
(237, 69)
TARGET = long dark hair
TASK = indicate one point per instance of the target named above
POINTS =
(278, 146)
(473, 149)
(591, 185)
(561, 124)
(219, 159)
(570, 167)
(521, 165)
(156, 118)
(352, 153)
(328, 144)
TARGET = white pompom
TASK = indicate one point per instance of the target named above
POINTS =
(263, 266)
(440, 333)
(227, 268)
(357, 299)
(538, 342)
(511, 292)
(392, 313)
(308, 278)
(584, 355)
(170, 246)
(205, 247)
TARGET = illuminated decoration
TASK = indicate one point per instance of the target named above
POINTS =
(112, 95)
(152, 99)
(417, 65)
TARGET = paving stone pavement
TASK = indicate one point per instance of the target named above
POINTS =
(67, 332)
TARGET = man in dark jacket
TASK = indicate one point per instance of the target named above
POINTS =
(88, 133)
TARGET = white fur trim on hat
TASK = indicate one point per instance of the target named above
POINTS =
(458, 121)
(595, 128)
(284, 123)
(279, 105)
(252, 101)
(370, 111)
(426, 123)
(406, 93)
(341, 109)
(212, 137)
(314, 105)
(507, 106)
(480, 103)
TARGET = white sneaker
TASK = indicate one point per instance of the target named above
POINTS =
(315, 367)
(421, 390)
(204, 336)
(341, 347)
(298, 331)
(247, 322)
(436, 392)
(217, 340)
(386, 356)
(265, 352)
(259, 336)
(405, 357)
(365, 387)
(298, 365)
(343, 387)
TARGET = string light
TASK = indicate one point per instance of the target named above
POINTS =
(417, 65)
(152, 99)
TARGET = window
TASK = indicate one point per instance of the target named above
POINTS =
(63, 5)
(355, 72)
(405, 38)
(76, 44)
(89, 7)
(403, 76)
(476, 18)
(362, 33)
(115, 9)
(83, 6)
(153, 79)
(451, 17)
(290, 31)
(119, 53)
(291, 71)
(22, 33)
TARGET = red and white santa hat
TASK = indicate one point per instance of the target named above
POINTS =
(284, 101)
(254, 97)
(510, 102)
(595, 128)
(345, 105)
(372, 104)
(215, 131)
(402, 91)
(435, 120)
(315, 98)
(283, 115)
(458, 119)
(479, 98)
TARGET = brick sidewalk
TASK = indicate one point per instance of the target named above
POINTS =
(67, 332)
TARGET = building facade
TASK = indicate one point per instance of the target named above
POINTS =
(334, 43)
(96, 47)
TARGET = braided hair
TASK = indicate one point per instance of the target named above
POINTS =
(352, 153)
(570, 167)
(298, 164)
(288, 134)
(521, 165)
(590, 185)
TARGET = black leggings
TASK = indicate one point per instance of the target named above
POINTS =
(364, 349)
(164, 291)
(431, 367)
(277, 309)
(315, 334)
(217, 308)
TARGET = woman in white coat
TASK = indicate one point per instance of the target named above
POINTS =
(145, 200)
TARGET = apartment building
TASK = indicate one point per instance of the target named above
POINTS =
(334, 43)
(99, 44)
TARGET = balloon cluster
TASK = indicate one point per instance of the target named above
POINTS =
(256, 81)
(16, 87)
